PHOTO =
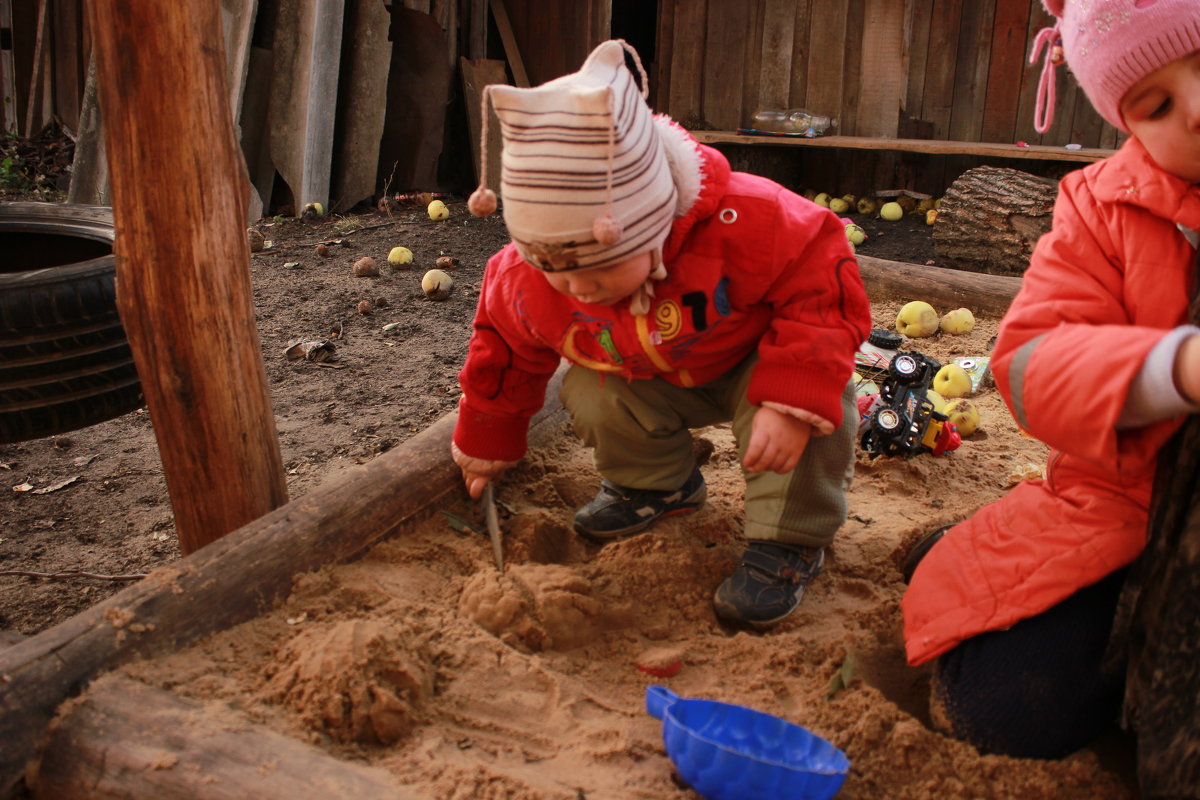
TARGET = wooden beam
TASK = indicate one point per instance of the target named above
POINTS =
(504, 25)
(933, 146)
(124, 740)
(183, 263)
(230, 581)
(941, 287)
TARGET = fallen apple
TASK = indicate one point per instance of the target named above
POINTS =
(891, 211)
(939, 402)
(822, 199)
(952, 381)
(964, 414)
(366, 267)
(436, 284)
(400, 257)
(438, 211)
(855, 234)
(865, 205)
(838, 205)
(958, 321)
(917, 319)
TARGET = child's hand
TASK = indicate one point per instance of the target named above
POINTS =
(777, 441)
(477, 472)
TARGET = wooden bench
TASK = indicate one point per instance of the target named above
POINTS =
(932, 146)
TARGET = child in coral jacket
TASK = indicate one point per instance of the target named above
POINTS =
(683, 295)
(1095, 358)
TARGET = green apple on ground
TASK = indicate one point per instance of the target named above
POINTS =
(891, 211)
(838, 206)
(960, 320)
(399, 257)
(438, 211)
(939, 402)
(952, 381)
(917, 319)
(964, 414)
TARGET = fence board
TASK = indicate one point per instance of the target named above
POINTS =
(724, 41)
(751, 60)
(881, 82)
(970, 77)
(778, 43)
(852, 67)
(798, 94)
(664, 56)
(687, 69)
(918, 18)
(1008, 61)
(827, 30)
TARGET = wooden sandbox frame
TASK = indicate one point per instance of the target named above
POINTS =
(99, 741)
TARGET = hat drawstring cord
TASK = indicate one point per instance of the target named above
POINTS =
(606, 228)
(1043, 114)
(482, 201)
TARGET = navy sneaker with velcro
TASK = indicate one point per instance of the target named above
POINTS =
(618, 511)
(768, 584)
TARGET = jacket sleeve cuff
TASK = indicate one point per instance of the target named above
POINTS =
(486, 436)
(821, 426)
(815, 393)
(1153, 396)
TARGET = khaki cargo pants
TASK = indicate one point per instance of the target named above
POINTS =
(640, 432)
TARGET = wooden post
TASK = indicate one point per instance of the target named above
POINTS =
(183, 263)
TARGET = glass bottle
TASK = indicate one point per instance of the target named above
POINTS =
(794, 121)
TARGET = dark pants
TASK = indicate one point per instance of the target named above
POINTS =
(1040, 689)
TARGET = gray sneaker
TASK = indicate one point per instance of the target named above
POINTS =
(618, 511)
(768, 584)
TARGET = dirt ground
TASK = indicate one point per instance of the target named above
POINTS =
(421, 659)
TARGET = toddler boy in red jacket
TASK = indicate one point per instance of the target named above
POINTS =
(683, 294)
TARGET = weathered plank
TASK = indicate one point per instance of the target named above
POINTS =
(362, 105)
(124, 740)
(917, 21)
(803, 49)
(511, 51)
(881, 90)
(685, 102)
(476, 75)
(775, 67)
(724, 64)
(971, 75)
(827, 33)
(1004, 68)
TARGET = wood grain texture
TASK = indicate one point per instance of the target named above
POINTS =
(724, 63)
(943, 288)
(1005, 69)
(931, 146)
(778, 44)
(183, 263)
(825, 58)
(124, 740)
(688, 58)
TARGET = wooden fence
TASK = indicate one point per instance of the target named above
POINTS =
(923, 69)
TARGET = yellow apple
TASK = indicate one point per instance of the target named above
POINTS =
(891, 211)
(437, 210)
(855, 234)
(960, 320)
(437, 284)
(917, 319)
(400, 257)
(931, 216)
(838, 205)
(939, 402)
(822, 199)
(865, 205)
(952, 381)
(964, 414)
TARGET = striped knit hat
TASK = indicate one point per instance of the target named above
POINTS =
(585, 179)
(1110, 45)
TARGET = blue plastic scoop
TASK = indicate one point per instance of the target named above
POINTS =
(730, 752)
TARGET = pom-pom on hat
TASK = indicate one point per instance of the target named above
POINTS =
(585, 178)
(1109, 46)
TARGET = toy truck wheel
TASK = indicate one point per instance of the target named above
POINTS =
(905, 368)
(889, 422)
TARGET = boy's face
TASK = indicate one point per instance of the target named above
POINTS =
(1163, 111)
(603, 286)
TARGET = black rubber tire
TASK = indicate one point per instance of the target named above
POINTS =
(64, 359)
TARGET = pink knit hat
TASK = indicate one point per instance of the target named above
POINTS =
(1109, 45)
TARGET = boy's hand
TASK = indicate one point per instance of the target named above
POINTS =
(477, 472)
(777, 441)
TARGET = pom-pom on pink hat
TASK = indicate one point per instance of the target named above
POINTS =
(585, 178)
(1109, 45)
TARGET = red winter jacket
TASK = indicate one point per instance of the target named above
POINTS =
(1104, 285)
(749, 266)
